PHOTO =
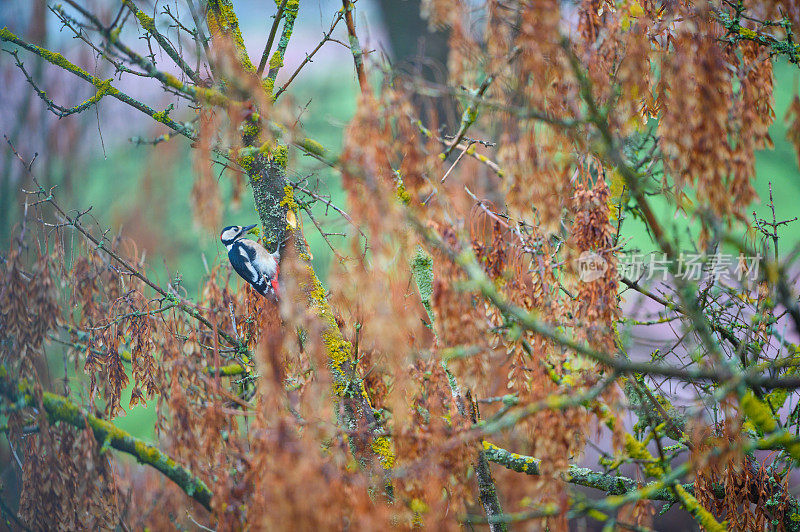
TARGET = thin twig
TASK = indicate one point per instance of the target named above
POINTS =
(131, 270)
(273, 30)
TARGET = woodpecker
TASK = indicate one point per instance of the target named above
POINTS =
(251, 260)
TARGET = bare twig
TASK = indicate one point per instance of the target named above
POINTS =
(273, 30)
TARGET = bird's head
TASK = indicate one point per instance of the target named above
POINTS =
(232, 233)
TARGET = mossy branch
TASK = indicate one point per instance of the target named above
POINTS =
(103, 85)
(266, 166)
(149, 24)
(422, 271)
(274, 198)
(623, 489)
(276, 61)
(222, 19)
(273, 30)
(59, 408)
(736, 33)
(611, 484)
(355, 47)
(347, 387)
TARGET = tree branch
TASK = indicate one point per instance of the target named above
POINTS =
(103, 85)
(59, 408)
(273, 30)
(100, 244)
(355, 46)
(149, 24)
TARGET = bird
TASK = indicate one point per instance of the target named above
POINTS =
(251, 260)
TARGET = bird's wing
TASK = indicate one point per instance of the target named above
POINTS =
(241, 260)
(262, 259)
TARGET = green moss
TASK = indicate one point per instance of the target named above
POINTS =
(61, 409)
(355, 48)
(145, 453)
(289, 16)
(422, 270)
(313, 147)
(58, 408)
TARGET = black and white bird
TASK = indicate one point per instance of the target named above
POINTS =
(251, 260)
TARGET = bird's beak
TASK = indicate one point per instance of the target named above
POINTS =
(248, 228)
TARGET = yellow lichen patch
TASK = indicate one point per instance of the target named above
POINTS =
(172, 81)
(251, 128)
(402, 194)
(268, 84)
(703, 516)
(339, 351)
(247, 162)
(383, 448)
(145, 453)
(280, 155)
(221, 19)
(163, 116)
(52, 57)
(758, 412)
(638, 451)
(276, 61)
(748, 33)
(288, 198)
(337, 348)
(312, 146)
(147, 22)
(211, 96)
(104, 87)
(417, 506)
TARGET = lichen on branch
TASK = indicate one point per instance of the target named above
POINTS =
(59, 408)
